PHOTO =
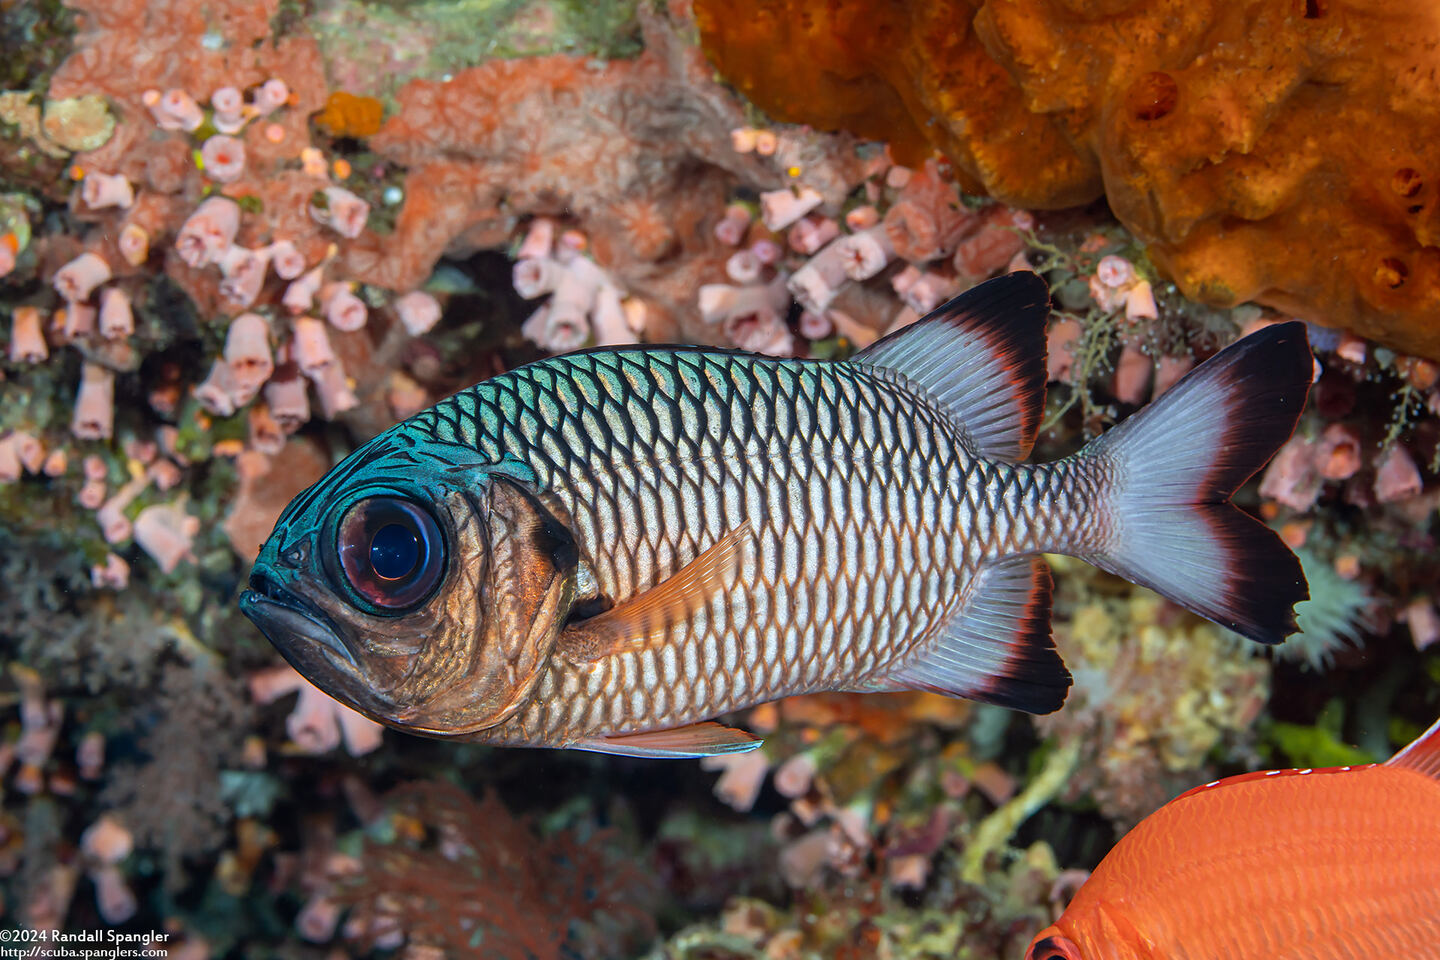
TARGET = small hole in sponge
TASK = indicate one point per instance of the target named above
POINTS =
(1407, 182)
(1391, 272)
(1153, 96)
(1312, 9)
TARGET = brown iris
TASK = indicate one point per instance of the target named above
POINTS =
(392, 552)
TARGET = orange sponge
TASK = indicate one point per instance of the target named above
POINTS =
(1286, 152)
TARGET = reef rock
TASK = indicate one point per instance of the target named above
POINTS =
(1279, 152)
(636, 152)
(267, 485)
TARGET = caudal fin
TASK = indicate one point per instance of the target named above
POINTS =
(1167, 522)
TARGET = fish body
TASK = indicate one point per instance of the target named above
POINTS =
(847, 490)
(621, 544)
(1333, 864)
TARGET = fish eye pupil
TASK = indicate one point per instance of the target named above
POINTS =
(394, 551)
(391, 552)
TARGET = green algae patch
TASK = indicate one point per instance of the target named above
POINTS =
(78, 123)
(371, 47)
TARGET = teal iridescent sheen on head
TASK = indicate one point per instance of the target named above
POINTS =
(387, 641)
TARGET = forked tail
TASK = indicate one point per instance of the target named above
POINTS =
(1170, 469)
(1156, 489)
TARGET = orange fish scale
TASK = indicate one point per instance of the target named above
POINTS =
(1341, 864)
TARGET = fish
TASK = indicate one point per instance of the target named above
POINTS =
(1326, 864)
(605, 550)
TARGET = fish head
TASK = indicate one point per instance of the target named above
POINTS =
(417, 586)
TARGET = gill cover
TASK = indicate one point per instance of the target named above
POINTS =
(519, 561)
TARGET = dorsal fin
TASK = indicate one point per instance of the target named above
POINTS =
(1255, 775)
(982, 356)
(1422, 756)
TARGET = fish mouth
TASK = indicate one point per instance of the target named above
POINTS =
(283, 616)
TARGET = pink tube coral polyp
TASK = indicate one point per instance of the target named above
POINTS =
(247, 352)
(94, 416)
(418, 312)
(345, 311)
(340, 210)
(27, 336)
(243, 274)
(167, 533)
(224, 158)
(116, 317)
(102, 190)
(78, 279)
(209, 232)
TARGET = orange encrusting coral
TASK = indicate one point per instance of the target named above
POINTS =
(1285, 153)
(346, 115)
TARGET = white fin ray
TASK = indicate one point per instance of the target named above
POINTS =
(981, 358)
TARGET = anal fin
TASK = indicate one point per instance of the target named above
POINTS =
(1423, 755)
(998, 649)
(648, 618)
(704, 739)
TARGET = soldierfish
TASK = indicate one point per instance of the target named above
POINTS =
(1335, 864)
(605, 549)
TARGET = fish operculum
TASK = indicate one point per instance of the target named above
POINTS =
(522, 564)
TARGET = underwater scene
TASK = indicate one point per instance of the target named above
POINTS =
(720, 479)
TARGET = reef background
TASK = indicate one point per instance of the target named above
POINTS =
(237, 239)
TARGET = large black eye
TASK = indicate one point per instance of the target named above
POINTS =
(392, 552)
(1054, 948)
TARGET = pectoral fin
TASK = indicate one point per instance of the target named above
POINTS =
(705, 739)
(649, 619)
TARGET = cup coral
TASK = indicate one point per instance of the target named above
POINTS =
(247, 352)
(223, 158)
(27, 336)
(77, 279)
(208, 233)
(94, 415)
(418, 312)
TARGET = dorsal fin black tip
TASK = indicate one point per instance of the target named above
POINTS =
(1018, 299)
(1020, 284)
(981, 357)
(1022, 296)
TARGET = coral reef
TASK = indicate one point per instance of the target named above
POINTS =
(170, 802)
(635, 149)
(1157, 691)
(1227, 138)
(237, 241)
(862, 920)
(464, 878)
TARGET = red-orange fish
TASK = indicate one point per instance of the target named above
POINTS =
(1335, 864)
